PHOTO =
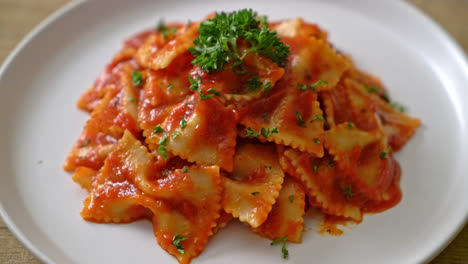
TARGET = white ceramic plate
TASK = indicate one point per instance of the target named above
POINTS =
(42, 79)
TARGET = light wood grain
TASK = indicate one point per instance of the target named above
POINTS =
(18, 17)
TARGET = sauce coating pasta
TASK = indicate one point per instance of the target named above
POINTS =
(193, 125)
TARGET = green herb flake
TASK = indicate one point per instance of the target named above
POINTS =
(158, 129)
(383, 154)
(283, 241)
(315, 168)
(398, 107)
(216, 44)
(385, 97)
(194, 82)
(312, 87)
(291, 198)
(255, 193)
(166, 31)
(86, 142)
(185, 169)
(131, 99)
(213, 91)
(317, 141)
(350, 125)
(266, 132)
(318, 117)
(162, 146)
(254, 83)
(176, 242)
(137, 78)
(183, 122)
(300, 121)
(251, 133)
(348, 191)
(331, 163)
(373, 89)
(175, 134)
(267, 88)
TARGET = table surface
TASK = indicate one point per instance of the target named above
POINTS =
(18, 17)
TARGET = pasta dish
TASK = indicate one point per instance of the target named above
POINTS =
(195, 124)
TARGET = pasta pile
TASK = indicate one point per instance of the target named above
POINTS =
(256, 128)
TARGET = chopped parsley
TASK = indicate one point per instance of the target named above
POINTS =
(251, 133)
(213, 91)
(348, 191)
(383, 154)
(194, 82)
(255, 193)
(385, 97)
(169, 86)
(176, 242)
(185, 169)
(162, 146)
(373, 89)
(315, 168)
(300, 121)
(350, 125)
(267, 88)
(282, 240)
(175, 134)
(137, 78)
(131, 99)
(158, 129)
(86, 142)
(318, 117)
(216, 44)
(266, 132)
(311, 87)
(398, 106)
(165, 31)
(254, 83)
(183, 122)
(316, 141)
(291, 198)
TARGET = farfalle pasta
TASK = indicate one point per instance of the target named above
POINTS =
(194, 125)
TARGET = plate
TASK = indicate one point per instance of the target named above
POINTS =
(44, 76)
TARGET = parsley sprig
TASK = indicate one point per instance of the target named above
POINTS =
(217, 43)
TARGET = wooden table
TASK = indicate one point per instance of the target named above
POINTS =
(18, 17)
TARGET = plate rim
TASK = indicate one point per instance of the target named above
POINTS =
(68, 7)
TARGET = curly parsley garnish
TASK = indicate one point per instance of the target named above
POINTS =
(282, 240)
(251, 133)
(176, 242)
(216, 44)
